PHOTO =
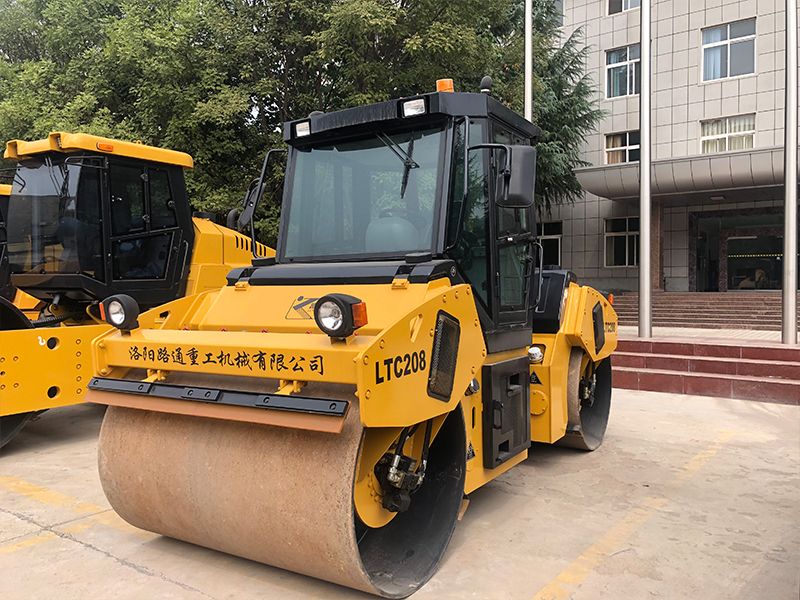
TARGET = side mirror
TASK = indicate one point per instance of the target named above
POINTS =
(254, 193)
(516, 174)
(520, 178)
(232, 219)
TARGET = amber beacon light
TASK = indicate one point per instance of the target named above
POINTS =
(444, 85)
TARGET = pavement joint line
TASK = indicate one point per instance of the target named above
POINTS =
(41, 536)
(565, 584)
(48, 533)
(21, 517)
(102, 514)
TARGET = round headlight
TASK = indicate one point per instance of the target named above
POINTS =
(116, 312)
(330, 317)
(339, 315)
(120, 311)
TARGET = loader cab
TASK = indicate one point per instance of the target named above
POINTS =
(89, 217)
(382, 189)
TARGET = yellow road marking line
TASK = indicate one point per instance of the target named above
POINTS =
(41, 537)
(701, 458)
(565, 583)
(47, 496)
(96, 513)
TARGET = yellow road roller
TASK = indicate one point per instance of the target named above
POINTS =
(329, 409)
(86, 217)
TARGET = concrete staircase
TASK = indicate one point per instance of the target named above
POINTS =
(713, 310)
(753, 372)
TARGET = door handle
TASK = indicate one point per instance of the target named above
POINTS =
(513, 390)
(497, 415)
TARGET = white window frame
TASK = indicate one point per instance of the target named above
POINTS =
(727, 42)
(727, 135)
(626, 234)
(627, 148)
(558, 237)
(624, 10)
(631, 71)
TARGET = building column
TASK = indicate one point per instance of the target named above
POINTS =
(657, 245)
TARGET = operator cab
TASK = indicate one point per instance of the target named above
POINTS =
(377, 192)
(90, 217)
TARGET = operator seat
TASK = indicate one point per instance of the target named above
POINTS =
(390, 234)
(121, 215)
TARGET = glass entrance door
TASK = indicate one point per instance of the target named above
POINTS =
(754, 262)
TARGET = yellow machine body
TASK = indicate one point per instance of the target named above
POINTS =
(244, 331)
(48, 367)
(66, 349)
(64, 142)
(549, 414)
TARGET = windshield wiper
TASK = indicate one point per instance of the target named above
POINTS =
(408, 162)
(62, 188)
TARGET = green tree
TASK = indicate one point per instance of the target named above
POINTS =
(564, 106)
(216, 78)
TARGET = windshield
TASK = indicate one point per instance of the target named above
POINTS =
(372, 196)
(53, 226)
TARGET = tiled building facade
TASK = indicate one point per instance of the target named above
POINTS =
(717, 137)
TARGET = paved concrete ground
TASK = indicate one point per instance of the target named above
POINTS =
(689, 498)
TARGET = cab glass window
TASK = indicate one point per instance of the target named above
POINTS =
(88, 239)
(142, 208)
(127, 199)
(162, 207)
(374, 195)
(54, 218)
(513, 259)
(142, 257)
(471, 249)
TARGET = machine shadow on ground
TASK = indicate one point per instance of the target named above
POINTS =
(54, 428)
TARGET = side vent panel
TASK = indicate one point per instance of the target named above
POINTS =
(444, 357)
(599, 327)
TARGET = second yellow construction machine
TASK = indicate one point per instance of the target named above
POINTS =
(327, 411)
(84, 218)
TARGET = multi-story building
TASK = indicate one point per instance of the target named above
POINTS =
(717, 132)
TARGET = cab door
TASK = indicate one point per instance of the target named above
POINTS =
(149, 231)
(513, 234)
(492, 245)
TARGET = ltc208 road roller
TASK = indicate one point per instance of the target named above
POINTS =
(328, 410)
(83, 218)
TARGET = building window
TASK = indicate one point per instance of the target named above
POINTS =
(729, 133)
(550, 237)
(623, 71)
(622, 147)
(622, 242)
(560, 11)
(729, 50)
(618, 6)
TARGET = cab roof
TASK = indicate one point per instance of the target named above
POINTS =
(60, 141)
(324, 126)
